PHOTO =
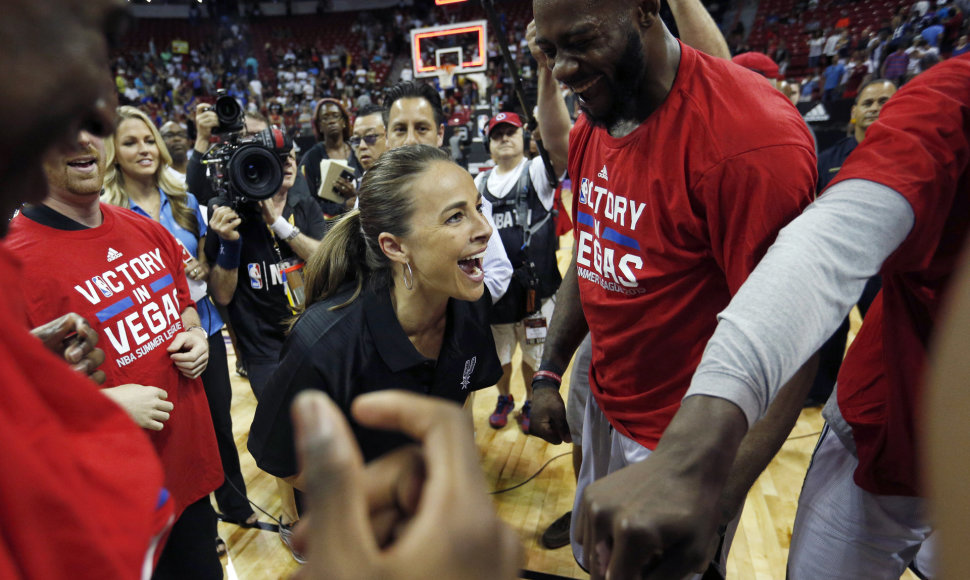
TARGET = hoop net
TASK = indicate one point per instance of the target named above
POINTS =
(446, 76)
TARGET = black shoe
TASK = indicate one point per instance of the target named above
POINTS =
(557, 534)
(241, 369)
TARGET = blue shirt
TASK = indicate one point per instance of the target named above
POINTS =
(211, 321)
(833, 76)
(931, 34)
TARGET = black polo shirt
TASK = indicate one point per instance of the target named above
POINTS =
(362, 348)
(259, 311)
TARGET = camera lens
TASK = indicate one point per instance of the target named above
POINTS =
(227, 109)
(255, 172)
(230, 115)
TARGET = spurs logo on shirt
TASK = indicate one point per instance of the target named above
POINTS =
(605, 255)
(139, 304)
(466, 375)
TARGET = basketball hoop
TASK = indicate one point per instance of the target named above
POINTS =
(446, 76)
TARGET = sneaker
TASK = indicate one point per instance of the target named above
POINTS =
(500, 417)
(241, 369)
(557, 534)
(525, 417)
(286, 536)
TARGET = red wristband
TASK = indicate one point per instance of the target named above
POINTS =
(547, 375)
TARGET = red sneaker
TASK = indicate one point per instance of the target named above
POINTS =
(525, 417)
(500, 417)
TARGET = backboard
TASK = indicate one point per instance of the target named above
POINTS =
(462, 45)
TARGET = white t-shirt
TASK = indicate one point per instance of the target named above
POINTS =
(815, 46)
(830, 45)
(501, 184)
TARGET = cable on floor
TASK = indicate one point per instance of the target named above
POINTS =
(531, 477)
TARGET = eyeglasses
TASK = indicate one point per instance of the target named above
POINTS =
(371, 140)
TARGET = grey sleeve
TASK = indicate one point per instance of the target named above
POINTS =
(800, 292)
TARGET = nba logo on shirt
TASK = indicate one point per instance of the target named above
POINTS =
(102, 286)
(255, 277)
(584, 187)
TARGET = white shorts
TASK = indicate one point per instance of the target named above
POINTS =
(604, 451)
(579, 389)
(842, 531)
(507, 336)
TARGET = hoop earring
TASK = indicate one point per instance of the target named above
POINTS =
(408, 284)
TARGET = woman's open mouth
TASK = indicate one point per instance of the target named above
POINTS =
(472, 266)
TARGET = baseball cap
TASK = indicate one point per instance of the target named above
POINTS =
(759, 62)
(510, 118)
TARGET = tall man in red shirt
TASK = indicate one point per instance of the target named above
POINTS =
(899, 206)
(685, 167)
(71, 456)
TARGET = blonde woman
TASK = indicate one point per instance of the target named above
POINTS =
(138, 178)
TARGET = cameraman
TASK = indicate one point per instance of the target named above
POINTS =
(206, 121)
(250, 246)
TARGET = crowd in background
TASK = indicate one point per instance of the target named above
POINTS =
(845, 54)
(285, 77)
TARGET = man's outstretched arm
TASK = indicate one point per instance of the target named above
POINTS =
(795, 298)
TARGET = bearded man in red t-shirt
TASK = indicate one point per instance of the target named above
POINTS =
(124, 274)
(684, 168)
(71, 456)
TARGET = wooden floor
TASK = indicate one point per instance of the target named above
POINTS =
(509, 458)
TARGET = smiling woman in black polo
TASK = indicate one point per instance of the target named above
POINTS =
(395, 300)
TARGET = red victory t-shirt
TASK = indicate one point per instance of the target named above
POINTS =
(81, 487)
(920, 147)
(670, 219)
(126, 278)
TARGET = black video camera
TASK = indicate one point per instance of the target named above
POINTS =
(244, 168)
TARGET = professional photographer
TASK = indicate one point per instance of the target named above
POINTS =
(522, 196)
(258, 229)
(195, 178)
(257, 244)
(207, 124)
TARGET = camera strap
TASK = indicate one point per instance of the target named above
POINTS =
(291, 270)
